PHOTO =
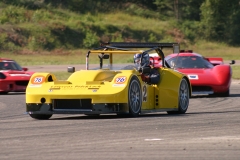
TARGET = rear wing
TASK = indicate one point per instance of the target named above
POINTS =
(137, 44)
(175, 46)
(215, 60)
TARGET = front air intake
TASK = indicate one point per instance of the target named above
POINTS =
(2, 76)
(201, 88)
(72, 104)
(22, 83)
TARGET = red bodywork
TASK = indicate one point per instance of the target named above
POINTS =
(13, 78)
(214, 77)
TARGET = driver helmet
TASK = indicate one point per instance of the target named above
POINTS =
(141, 60)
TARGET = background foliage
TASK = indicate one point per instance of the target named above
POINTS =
(48, 25)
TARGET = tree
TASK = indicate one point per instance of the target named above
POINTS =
(190, 9)
(165, 7)
(220, 20)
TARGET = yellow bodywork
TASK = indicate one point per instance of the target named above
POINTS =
(101, 87)
(102, 90)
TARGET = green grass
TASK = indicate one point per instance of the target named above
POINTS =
(209, 49)
(64, 75)
(79, 56)
(58, 57)
(236, 72)
(42, 30)
(61, 75)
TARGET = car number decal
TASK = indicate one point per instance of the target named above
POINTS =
(120, 80)
(193, 76)
(144, 95)
(37, 79)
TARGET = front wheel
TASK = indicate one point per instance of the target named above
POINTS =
(183, 98)
(41, 116)
(134, 97)
(224, 94)
(3, 92)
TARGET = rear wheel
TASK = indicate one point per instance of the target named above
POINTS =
(183, 98)
(41, 116)
(134, 97)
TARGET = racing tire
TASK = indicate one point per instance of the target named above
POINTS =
(224, 94)
(134, 97)
(2, 93)
(41, 116)
(93, 115)
(183, 98)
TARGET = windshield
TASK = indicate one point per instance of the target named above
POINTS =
(118, 62)
(125, 66)
(10, 65)
(189, 62)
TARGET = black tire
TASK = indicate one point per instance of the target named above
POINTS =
(224, 94)
(134, 97)
(2, 93)
(183, 98)
(41, 116)
(93, 115)
(122, 115)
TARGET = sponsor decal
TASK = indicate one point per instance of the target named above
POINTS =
(35, 85)
(120, 80)
(118, 85)
(37, 80)
(77, 87)
(193, 76)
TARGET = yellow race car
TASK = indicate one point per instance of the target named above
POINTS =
(108, 88)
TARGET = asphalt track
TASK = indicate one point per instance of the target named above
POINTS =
(210, 130)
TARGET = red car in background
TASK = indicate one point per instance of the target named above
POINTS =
(208, 75)
(13, 78)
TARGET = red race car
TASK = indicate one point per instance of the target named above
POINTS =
(207, 75)
(13, 78)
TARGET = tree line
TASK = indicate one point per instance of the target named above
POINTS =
(213, 20)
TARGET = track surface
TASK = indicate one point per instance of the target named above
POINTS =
(209, 130)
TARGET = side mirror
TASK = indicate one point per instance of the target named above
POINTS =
(25, 69)
(232, 62)
(71, 69)
(146, 70)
